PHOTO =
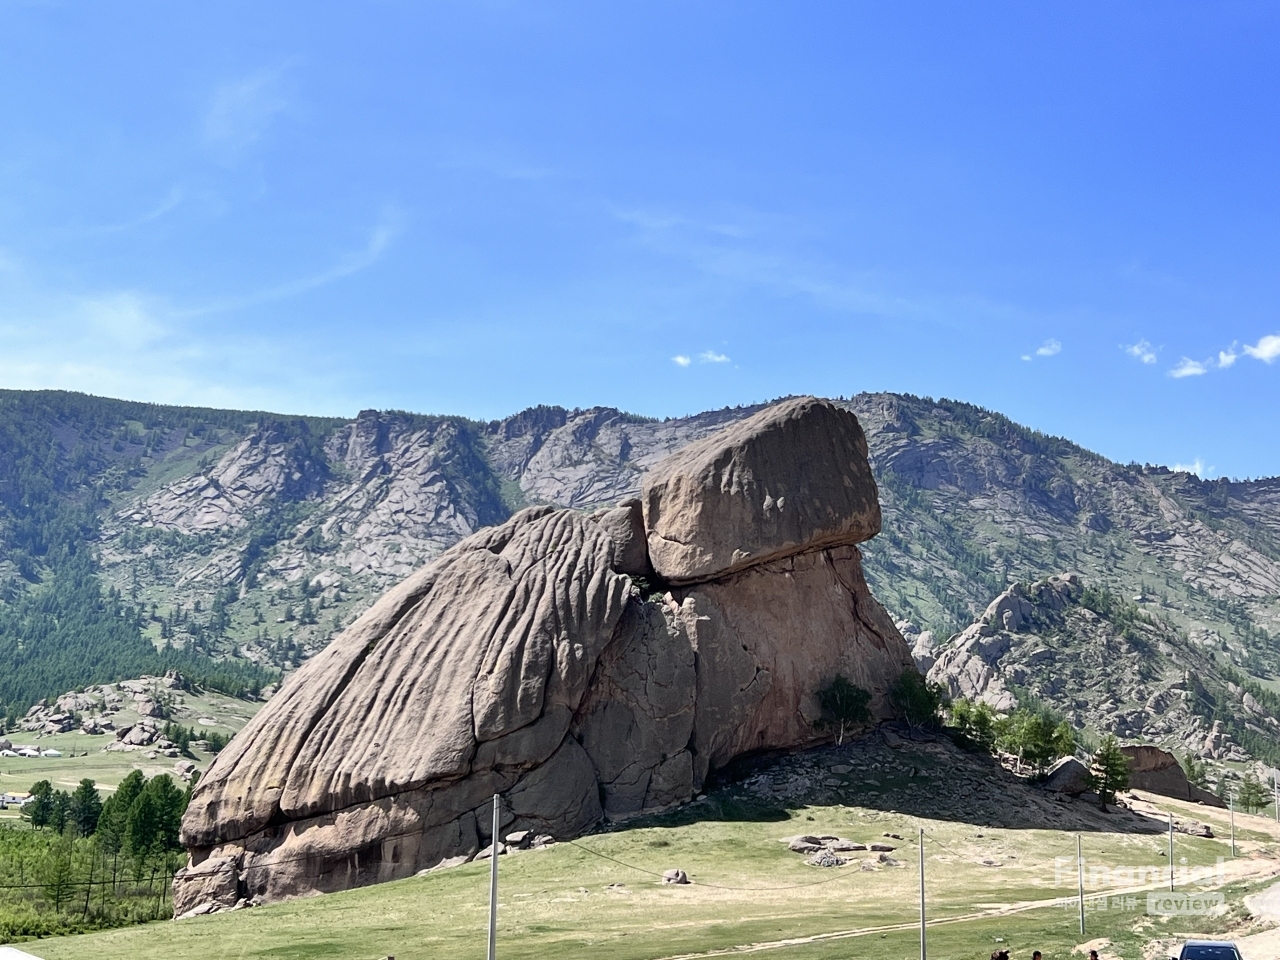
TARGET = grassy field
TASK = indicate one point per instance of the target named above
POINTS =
(997, 886)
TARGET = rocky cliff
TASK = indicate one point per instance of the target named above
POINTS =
(525, 661)
(1108, 665)
(248, 535)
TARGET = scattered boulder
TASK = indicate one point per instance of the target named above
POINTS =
(675, 876)
(1067, 775)
(805, 845)
(205, 887)
(826, 858)
(881, 848)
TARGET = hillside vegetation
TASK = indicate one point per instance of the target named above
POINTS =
(137, 537)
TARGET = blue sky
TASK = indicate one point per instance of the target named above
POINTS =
(1049, 209)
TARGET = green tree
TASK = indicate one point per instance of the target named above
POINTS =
(844, 705)
(170, 803)
(1252, 795)
(39, 808)
(59, 811)
(86, 808)
(57, 873)
(975, 720)
(142, 832)
(1109, 770)
(1197, 774)
(113, 823)
(1064, 740)
(916, 699)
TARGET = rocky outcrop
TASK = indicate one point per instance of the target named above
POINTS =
(1105, 664)
(738, 498)
(522, 662)
(1067, 775)
(1158, 771)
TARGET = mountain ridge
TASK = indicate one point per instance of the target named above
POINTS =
(259, 536)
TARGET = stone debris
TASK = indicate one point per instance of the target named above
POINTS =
(675, 876)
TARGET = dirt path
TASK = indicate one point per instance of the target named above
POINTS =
(1243, 869)
(1266, 945)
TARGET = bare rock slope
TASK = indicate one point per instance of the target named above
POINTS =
(524, 662)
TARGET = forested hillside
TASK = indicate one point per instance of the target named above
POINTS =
(137, 537)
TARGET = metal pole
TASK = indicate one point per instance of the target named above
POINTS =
(1080, 879)
(1275, 785)
(493, 885)
(922, 938)
(1170, 854)
(1233, 825)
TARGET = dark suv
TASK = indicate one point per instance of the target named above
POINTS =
(1208, 950)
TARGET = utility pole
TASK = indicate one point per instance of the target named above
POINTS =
(922, 935)
(1233, 824)
(1170, 856)
(1275, 785)
(1080, 880)
(493, 885)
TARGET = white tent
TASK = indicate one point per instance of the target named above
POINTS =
(13, 953)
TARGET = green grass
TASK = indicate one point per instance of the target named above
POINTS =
(748, 888)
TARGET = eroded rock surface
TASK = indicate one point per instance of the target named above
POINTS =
(523, 662)
(790, 478)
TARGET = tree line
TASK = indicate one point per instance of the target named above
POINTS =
(88, 863)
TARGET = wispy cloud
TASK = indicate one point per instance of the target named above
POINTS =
(680, 360)
(240, 112)
(1196, 466)
(380, 240)
(710, 356)
(1188, 368)
(1266, 349)
(1142, 350)
(1227, 357)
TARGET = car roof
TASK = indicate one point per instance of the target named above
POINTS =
(1210, 943)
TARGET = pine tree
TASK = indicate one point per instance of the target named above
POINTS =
(1253, 795)
(1109, 771)
(86, 808)
(39, 808)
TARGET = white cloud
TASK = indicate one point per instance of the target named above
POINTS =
(1142, 350)
(710, 356)
(1026, 356)
(1188, 368)
(1049, 348)
(680, 360)
(1196, 466)
(1266, 349)
(1227, 357)
(380, 239)
(123, 318)
(241, 111)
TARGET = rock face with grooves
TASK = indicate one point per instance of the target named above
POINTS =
(791, 478)
(525, 662)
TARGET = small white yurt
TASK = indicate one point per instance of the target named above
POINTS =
(13, 953)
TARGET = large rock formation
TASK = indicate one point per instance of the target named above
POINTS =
(1158, 771)
(739, 497)
(525, 662)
